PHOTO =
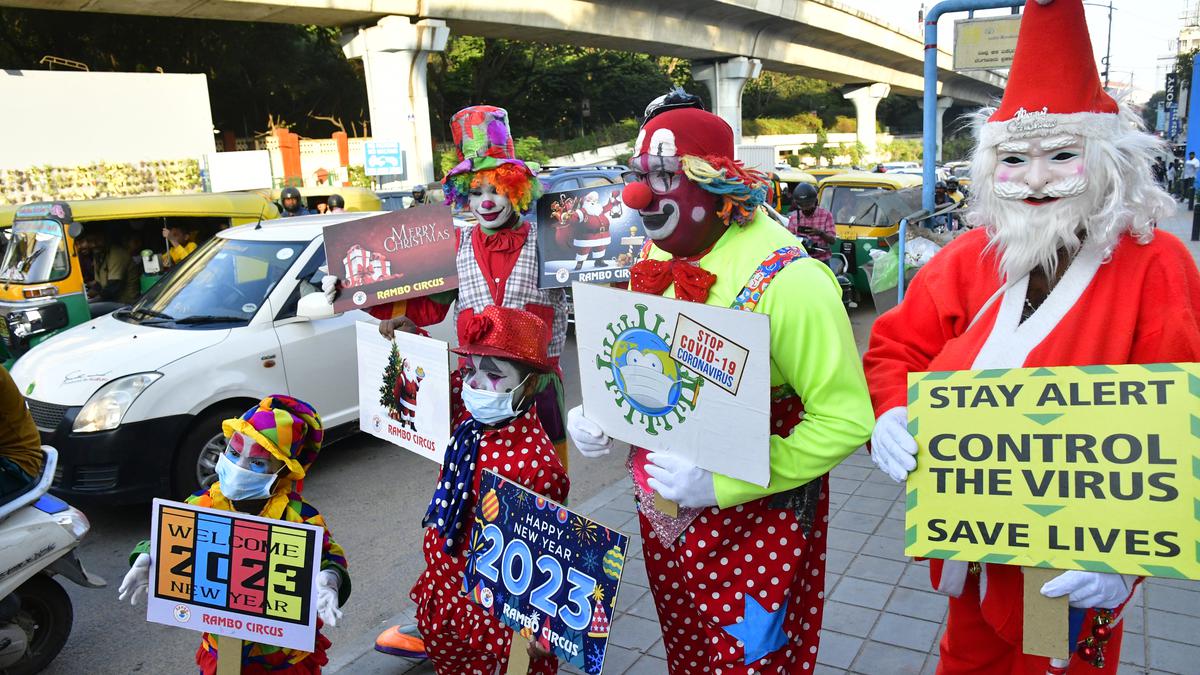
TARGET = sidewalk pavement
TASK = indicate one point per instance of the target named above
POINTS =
(880, 616)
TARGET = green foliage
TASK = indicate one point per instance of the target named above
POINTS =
(1150, 110)
(780, 96)
(800, 123)
(903, 150)
(358, 176)
(1183, 68)
(93, 181)
(957, 147)
(793, 161)
(821, 149)
(854, 151)
(844, 125)
(530, 148)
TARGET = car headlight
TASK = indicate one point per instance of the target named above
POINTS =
(107, 407)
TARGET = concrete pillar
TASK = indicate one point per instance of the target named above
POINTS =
(725, 81)
(943, 104)
(395, 53)
(866, 100)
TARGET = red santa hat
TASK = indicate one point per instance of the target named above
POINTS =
(1053, 86)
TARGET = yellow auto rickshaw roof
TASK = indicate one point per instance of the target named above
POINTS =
(796, 176)
(222, 204)
(894, 181)
(825, 172)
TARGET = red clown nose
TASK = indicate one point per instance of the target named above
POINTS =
(636, 196)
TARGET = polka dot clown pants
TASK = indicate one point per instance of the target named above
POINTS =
(742, 591)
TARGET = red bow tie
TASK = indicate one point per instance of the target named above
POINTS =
(654, 276)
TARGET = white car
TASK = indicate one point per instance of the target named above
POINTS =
(134, 400)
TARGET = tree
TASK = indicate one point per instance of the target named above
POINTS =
(391, 373)
(1150, 110)
(821, 149)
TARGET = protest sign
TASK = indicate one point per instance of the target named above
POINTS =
(678, 377)
(548, 573)
(586, 235)
(404, 390)
(233, 574)
(1088, 468)
(392, 256)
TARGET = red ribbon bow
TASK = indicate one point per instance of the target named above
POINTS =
(505, 240)
(654, 276)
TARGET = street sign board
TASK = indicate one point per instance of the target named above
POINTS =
(985, 44)
(384, 158)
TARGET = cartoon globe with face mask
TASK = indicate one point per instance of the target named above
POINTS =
(645, 372)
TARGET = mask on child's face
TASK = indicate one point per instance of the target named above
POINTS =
(246, 469)
(491, 387)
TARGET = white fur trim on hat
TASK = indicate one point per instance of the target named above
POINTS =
(1040, 123)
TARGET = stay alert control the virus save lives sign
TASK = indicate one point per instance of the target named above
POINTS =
(234, 574)
(1089, 468)
(679, 377)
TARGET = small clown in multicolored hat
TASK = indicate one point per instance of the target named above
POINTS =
(270, 449)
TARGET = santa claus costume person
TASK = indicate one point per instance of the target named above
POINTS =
(591, 226)
(1065, 268)
(738, 576)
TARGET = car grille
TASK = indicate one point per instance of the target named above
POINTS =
(95, 477)
(47, 416)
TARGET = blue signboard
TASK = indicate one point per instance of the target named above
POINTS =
(544, 571)
(384, 158)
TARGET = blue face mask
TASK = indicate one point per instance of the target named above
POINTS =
(238, 483)
(490, 407)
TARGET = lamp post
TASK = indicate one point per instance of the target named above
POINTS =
(1108, 42)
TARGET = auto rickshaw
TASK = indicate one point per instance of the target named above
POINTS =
(823, 172)
(42, 288)
(788, 180)
(357, 198)
(867, 208)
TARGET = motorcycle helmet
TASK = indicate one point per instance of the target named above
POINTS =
(291, 193)
(804, 195)
(336, 202)
(418, 193)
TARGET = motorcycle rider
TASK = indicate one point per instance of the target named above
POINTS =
(812, 223)
(336, 203)
(418, 196)
(21, 456)
(293, 203)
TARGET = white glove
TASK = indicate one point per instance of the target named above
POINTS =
(137, 580)
(329, 285)
(893, 449)
(681, 481)
(587, 435)
(328, 583)
(1090, 589)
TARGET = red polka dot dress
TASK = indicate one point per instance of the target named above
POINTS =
(741, 583)
(461, 638)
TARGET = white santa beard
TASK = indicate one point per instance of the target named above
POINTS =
(1029, 236)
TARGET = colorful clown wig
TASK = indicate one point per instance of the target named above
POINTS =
(514, 181)
(286, 427)
(741, 190)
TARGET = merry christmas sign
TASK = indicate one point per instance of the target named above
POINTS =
(404, 390)
(1090, 468)
(234, 574)
(678, 377)
(545, 571)
(392, 256)
(586, 235)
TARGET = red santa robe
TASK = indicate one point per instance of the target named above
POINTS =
(1141, 306)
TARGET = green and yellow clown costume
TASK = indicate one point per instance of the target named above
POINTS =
(291, 431)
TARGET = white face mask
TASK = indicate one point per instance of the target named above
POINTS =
(490, 407)
(238, 483)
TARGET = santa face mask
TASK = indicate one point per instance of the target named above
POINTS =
(1040, 171)
(491, 209)
(681, 217)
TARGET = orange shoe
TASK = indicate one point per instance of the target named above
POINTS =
(402, 641)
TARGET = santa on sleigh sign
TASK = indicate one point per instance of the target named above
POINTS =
(586, 235)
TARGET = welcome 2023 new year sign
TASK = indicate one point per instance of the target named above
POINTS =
(1093, 468)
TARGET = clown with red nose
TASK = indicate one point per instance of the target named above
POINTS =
(1065, 267)
(737, 573)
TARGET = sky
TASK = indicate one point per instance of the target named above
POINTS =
(1142, 32)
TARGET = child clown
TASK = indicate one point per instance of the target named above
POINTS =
(270, 448)
(497, 429)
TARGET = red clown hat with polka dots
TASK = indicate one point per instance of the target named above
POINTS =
(1053, 86)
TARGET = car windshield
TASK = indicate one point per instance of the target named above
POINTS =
(871, 207)
(36, 253)
(223, 283)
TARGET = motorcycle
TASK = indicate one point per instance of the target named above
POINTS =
(38, 536)
(839, 265)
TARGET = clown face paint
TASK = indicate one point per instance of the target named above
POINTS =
(492, 209)
(681, 217)
(1040, 171)
(246, 453)
(493, 374)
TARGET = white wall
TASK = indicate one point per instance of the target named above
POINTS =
(68, 118)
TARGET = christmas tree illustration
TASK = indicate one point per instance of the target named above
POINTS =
(387, 391)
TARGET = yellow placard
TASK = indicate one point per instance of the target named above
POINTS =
(1091, 468)
(985, 44)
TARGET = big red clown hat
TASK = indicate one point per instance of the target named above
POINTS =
(1053, 86)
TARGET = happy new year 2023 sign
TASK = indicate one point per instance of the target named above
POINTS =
(234, 574)
(545, 571)
(1093, 468)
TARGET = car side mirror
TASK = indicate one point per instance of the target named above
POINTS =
(314, 306)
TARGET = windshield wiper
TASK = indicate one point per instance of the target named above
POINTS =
(211, 318)
(150, 312)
